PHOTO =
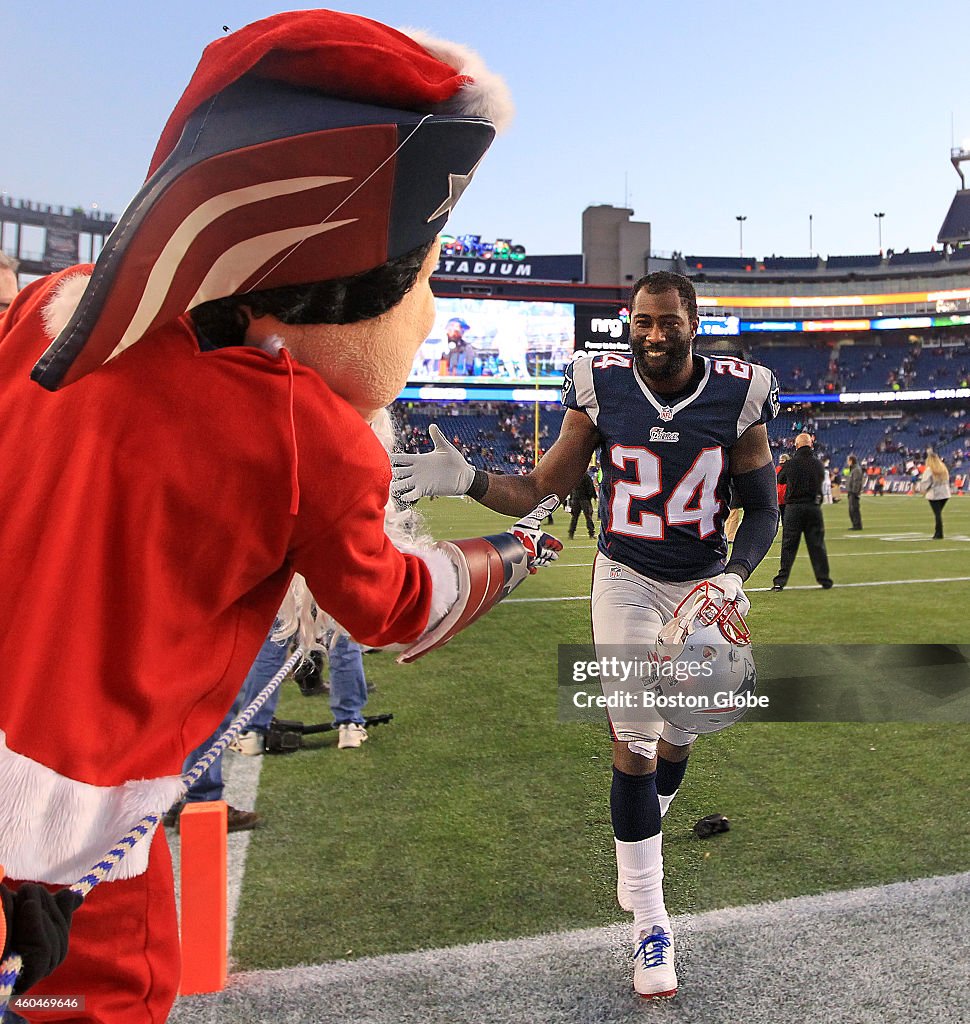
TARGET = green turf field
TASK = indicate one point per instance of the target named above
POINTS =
(476, 815)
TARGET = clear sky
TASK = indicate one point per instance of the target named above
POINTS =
(695, 111)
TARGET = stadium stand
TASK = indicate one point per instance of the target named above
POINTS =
(797, 367)
(908, 258)
(500, 437)
(739, 263)
(792, 263)
(853, 262)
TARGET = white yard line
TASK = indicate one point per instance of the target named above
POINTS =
(832, 554)
(758, 590)
(241, 777)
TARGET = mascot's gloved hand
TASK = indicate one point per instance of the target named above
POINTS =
(542, 547)
(442, 472)
(732, 585)
(37, 926)
(488, 570)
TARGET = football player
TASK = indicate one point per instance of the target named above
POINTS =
(676, 432)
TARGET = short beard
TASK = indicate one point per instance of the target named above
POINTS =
(664, 371)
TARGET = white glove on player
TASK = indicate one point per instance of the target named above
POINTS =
(733, 587)
(542, 547)
(441, 472)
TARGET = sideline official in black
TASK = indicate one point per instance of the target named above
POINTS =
(802, 474)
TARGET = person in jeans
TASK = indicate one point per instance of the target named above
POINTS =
(348, 692)
(347, 688)
(853, 489)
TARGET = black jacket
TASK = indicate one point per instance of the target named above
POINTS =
(583, 493)
(803, 474)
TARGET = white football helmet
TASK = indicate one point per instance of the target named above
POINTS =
(706, 675)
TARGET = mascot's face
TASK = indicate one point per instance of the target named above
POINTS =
(367, 363)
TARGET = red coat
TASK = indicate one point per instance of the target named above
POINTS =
(152, 517)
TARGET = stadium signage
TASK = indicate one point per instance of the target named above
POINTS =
(854, 397)
(602, 328)
(537, 268)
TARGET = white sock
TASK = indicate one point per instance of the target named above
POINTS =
(640, 867)
(666, 801)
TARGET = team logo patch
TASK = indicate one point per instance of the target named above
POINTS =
(659, 434)
(614, 572)
(666, 413)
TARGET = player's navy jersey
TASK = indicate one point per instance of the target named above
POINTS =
(666, 480)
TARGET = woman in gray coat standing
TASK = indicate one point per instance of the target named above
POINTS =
(935, 484)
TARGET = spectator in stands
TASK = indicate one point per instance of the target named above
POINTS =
(935, 484)
(853, 488)
(803, 475)
(9, 285)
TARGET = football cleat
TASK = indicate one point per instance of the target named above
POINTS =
(654, 976)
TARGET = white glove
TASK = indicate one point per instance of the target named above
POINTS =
(733, 587)
(441, 472)
(542, 547)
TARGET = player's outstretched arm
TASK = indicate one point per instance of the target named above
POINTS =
(753, 480)
(445, 471)
(488, 570)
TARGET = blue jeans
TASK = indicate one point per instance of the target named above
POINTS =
(268, 662)
(348, 687)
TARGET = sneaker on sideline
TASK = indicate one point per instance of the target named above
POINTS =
(250, 742)
(351, 735)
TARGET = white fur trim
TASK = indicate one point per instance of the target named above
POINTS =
(54, 829)
(60, 307)
(383, 426)
(485, 94)
(444, 582)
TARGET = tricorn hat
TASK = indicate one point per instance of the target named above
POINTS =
(308, 146)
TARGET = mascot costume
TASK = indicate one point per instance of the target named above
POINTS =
(187, 426)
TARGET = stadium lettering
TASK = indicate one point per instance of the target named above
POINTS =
(606, 325)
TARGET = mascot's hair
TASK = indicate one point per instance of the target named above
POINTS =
(301, 616)
(345, 300)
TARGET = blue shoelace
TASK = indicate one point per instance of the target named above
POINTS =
(653, 948)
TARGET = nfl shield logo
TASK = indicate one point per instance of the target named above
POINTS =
(666, 413)
(614, 572)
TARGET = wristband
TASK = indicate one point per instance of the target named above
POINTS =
(479, 486)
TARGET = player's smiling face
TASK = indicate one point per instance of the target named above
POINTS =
(661, 333)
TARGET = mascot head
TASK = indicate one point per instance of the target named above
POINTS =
(303, 176)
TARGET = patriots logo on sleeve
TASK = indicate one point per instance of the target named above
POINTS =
(773, 401)
(567, 383)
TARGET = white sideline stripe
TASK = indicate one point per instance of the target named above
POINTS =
(760, 590)
(241, 781)
(837, 554)
(516, 980)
